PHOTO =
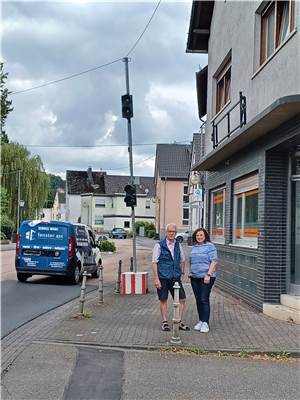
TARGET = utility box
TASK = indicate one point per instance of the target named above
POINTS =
(142, 231)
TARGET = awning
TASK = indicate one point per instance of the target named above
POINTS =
(282, 110)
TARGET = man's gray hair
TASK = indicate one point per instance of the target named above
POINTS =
(171, 225)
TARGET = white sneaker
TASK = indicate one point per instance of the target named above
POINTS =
(204, 327)
(197, 327)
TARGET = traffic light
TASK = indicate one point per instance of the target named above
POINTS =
(127, 106)
(130, 197)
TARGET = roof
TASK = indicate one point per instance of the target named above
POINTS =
(98, 182)
(199, 29)
(116, 183)
(279, 112)
(79, 182)
(173, 160)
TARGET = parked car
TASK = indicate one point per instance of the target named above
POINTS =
(56, 248)
(101, 238)
(118, 233)
(182, 236)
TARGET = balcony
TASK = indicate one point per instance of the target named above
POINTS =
(234, 119)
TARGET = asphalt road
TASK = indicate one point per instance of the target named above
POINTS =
(22, 302)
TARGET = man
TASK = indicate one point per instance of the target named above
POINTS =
(168, 265)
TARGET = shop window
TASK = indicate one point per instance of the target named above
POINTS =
(218, 215)
(277, 22)
(245, 211)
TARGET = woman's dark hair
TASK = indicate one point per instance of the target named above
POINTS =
(207, 238)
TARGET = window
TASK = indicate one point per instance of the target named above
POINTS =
(185, 211)
(185, 194)
(126, 224)
(245, 211)
(218, 215)
(223, 79)
(147, 203)
(277, 21)
(99, 220)
(99, 202)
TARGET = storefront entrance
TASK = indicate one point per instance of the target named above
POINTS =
(295, 225)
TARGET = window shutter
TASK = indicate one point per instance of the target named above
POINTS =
(246, 184)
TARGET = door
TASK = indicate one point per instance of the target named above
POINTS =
(295, 225)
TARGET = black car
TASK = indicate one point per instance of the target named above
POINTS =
(118, 233)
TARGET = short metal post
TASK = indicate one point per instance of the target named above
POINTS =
(131, 264)
(175, 339)
(82, 292)
(100, 289)
(118, 283)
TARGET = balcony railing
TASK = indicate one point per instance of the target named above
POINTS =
(219, 135)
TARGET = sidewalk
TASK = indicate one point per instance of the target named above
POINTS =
(133, 321)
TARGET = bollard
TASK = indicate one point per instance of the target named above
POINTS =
(131, 264)
(118, 283)
(100, 289)
(82, 291)
(175, 339)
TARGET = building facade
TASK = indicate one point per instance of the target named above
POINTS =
(106, 211)
(252, 156)
(172, 165)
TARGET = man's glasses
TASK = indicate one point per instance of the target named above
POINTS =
(171, 231)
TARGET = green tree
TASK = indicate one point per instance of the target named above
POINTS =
(6, 224)
(34, 185)
(56, 182)
(6, 105)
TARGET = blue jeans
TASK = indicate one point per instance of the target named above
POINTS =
(202, 292)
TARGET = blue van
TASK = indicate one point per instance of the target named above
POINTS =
(56, 248)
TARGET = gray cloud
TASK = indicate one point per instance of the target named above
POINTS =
(45, 41)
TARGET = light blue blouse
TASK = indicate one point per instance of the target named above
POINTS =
(200, 259)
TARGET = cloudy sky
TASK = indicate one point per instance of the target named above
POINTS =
(48, 41)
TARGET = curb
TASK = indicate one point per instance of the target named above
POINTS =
(172, 348)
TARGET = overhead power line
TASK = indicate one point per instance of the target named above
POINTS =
(97, 145)
(94, 68)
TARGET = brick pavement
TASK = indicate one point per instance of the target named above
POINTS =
(133, 321)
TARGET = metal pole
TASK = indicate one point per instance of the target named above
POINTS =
(82, 292)
(19, 198)
(118, 283)
(125, 59)
(175, 339)
(100, 289)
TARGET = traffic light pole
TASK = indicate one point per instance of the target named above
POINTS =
(125, 59)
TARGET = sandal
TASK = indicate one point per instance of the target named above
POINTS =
(183, 327)
(165, 326)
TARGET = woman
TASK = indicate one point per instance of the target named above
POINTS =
(203, 264)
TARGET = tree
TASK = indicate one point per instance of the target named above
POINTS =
(56, 182)
(6, 224)
(34, 185)
(6, 107)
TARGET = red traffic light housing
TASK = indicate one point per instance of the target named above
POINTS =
(130, 196)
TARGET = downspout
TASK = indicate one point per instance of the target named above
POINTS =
(165, 194)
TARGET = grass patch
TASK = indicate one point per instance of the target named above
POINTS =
(85, 314)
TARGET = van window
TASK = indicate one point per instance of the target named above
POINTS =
(81, 235)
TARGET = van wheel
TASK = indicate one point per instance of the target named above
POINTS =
(179, 239)
(22, 277)
(75, 277)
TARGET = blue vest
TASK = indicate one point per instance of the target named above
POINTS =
(168, 268)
